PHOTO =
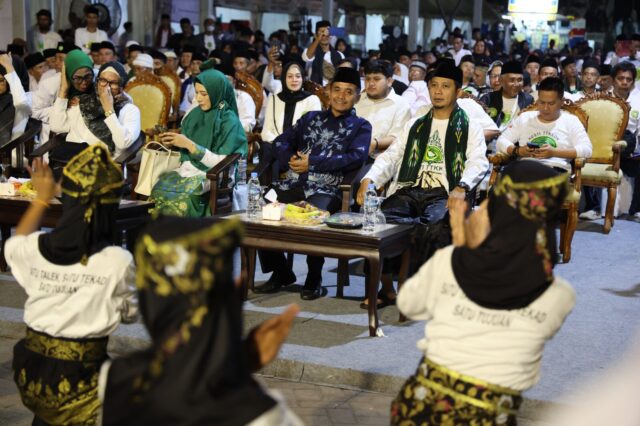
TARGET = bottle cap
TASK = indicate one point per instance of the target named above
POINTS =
(254, 174)
(372, 186)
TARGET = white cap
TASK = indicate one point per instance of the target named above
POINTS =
(170, 54)
(131, 43)
(144, 60)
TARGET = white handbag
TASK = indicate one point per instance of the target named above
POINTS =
(153, 164)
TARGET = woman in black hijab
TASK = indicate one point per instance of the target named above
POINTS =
(286, 107)
(492, 301)
(197, 370)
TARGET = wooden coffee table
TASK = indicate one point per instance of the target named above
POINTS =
(386, 242)
(131, 216)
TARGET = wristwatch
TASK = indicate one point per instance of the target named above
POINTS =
(108, 113)
(464, 186)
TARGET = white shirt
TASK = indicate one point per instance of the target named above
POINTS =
(387, 116)
(209, 42)
(188, 102)
(48, 40)
(21, 103)
(274, 117)
(502, 347)
(43, 100)
(417, 95)
(564, 133)
(433, 171)
(84, 39)
(246, 110)
(476, 113)
(387, 165)
(634, 102)
(457, 56)
(326, 57)
(510, 109)
(125, 128)
(270, 83)
(74, 301)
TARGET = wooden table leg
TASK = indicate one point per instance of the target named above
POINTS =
(5, 233)
(402, 275)
(373, 280)
(251, 267)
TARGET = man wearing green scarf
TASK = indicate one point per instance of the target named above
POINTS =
(436, 161)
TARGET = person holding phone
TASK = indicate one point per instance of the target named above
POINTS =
(551, 135)
(321, 51)
(92, 113)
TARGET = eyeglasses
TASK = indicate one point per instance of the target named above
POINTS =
(82, 78)
(112, 83)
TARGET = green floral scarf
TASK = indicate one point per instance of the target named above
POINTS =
(218, 129)
(455, 148)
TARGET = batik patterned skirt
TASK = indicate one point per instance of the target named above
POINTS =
(58, 378)
(436, 395)
(175, 195)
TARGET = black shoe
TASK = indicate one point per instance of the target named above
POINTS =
(274, 283)
(311, 293)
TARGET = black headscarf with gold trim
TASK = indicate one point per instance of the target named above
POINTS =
(196, 370)
(91, 190)
(514, 265)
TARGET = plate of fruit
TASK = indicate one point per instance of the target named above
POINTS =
(303, 213)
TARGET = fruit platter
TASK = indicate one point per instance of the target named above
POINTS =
(303, 213)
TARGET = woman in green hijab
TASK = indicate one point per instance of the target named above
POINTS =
(210, 132)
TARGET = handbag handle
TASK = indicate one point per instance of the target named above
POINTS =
(158, 144)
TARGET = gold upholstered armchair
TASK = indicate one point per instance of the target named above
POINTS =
(153, 97)
(608, 118)
(171, 79)
(570, 205)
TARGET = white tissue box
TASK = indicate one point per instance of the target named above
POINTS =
(7, 188)
(272, 211)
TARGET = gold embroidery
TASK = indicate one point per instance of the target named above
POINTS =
(186, 265)
(95, 173)
(66, 350)
(69, 405)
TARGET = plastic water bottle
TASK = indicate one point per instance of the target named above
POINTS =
(254, 193)
(370, 207)
(242, 171)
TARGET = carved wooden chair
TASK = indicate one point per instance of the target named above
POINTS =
(153, 97)
(23, 145)
(249, 84)
(568, 224)
(171, 79)
(608, 118)
(320, 91)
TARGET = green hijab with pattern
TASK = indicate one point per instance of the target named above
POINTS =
(218, 129)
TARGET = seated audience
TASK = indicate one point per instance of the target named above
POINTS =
(558, 135)
(382, 107)
(202, 375)
(417, 93)
(438, 159)
(79, 287)
(15, 106)
(85, 37)
(285, 108)
(244, 102)
(315, 153)
(42, 37)
(210, 132)
(505, 103)
(37, 67)
(474, 303)
(100, 113)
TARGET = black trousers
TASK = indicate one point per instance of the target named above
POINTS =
(631, 168)
(592, 197)
(427, 210)
(273, 261)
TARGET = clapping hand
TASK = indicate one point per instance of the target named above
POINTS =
(265, 340)
(6, 62)
(472, 231)
(42, 180)
(299, 163)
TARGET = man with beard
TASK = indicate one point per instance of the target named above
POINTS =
(41, 36)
